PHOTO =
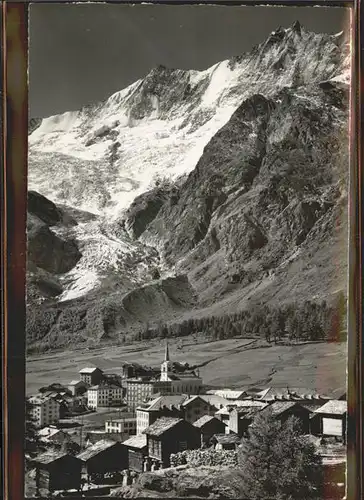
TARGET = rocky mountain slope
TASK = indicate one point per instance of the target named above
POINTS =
(192, 193)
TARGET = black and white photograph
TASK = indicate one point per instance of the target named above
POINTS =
(187, 251)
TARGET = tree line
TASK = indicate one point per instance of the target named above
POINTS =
(308, 321)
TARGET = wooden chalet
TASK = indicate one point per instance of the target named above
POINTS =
(103, 457)
(208, 426)
(332, 419)
(57, 471)
(241, 417)
(283, 410)
(170, 435)
(137, 451)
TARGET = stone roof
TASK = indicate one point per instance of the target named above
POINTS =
(250, 403)
(190, 399)
(95, 449)
(333, 407)
(249, 413)
(139, 441)
(194, 398)
(48, 432)
(40, 399)
(279, 407)
(288, 394)
(168, 400)
(162, 425)
(214, 400)
(229, 393)
(205, 419)
(311, 407)
(49, 457)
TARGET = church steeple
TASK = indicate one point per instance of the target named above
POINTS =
(166, 365)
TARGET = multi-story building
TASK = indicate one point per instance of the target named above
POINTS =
(162, 406)
(142, 389)
(91, 375)
(178, 406)
(104, 395)
(44, 410)
(126, 424)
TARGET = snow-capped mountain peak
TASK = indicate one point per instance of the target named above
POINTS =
(100, 158)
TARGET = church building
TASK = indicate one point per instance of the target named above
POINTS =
(180, 383)
(142, 389)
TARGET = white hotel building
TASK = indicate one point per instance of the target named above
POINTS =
(126, 424)
(44, 410)
(104, 395)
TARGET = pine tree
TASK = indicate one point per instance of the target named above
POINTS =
(278, 461)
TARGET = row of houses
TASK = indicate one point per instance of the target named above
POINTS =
(56, 470)
(168, 435)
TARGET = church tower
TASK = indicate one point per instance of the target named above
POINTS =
(166, 366)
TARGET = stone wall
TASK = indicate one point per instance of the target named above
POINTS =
(211, 457)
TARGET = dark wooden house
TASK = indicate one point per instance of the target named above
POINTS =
(57, 471)
(283, 410)
(240, 418)
(137, 451)
(315, 427)
(332, 419)
(170, 435)
(103, 457)
(208, 426)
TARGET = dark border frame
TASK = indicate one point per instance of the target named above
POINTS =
(13, 212)
(13, 187)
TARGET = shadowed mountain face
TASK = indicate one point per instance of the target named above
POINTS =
(192, 194)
